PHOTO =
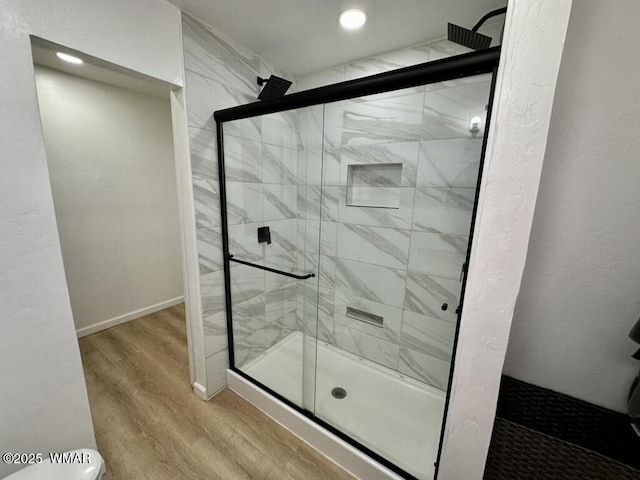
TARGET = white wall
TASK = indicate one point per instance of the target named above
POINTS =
(43, 401)
(581, 288)
(110, 157)
(530, 59)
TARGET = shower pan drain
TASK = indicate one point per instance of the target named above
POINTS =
(339, 393)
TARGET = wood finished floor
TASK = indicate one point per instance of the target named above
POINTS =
(150, 425)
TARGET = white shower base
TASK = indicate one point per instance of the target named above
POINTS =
(395, 416)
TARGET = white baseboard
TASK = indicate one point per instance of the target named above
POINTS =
(200, 391)
(83, 332)
(331, 446)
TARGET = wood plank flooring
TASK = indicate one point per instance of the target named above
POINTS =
(150, 425)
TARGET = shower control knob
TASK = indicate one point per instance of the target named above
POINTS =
(444, 306)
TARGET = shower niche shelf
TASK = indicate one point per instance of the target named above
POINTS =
(374, 185)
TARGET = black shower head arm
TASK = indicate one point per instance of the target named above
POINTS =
(493, 13)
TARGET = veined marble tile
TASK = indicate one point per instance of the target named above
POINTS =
(331, 162)
(456, 82)
(283, 238)
(267, 69)
(243, 242)
(301, 167)
(326, 308)
(248, 316)
(249, 128)
(333, 125)
(204, 157)
(448, 111)
(372, 348)
(428, 335)
(246, 282)
(330, 203)
(279, 165)
(388, 247)
(212, 294)
(204, 46)
(443, 210)
(320, 237)
(328, 238)
(215, 333)
(281, 129)
(449, 163)
(328, 76)
(399, 218)
(386, 62)
(205, 96)
(313, 167)
(280, 328)
(209, 249)
(425, 368)
(249, 347)
(315, 127)
(403, 153)
(441, 255)
(392, 316)
(310, 203)
(426, 294)
(326, 271)
(206, 202)
(380, 284)
(286, 263)
(444, 48)
(281, 301)
(390, 120)
(244, 202)
(373, 197)
(242, 160)
(280, 202)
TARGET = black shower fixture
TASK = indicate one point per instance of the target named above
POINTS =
(471, 38)
(274, 87)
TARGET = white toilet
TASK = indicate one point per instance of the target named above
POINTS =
(90, 468)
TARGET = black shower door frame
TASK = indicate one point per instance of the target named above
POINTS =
(451, 68)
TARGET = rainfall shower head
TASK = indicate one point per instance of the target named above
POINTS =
(471, 38)
(468, 38)
(274, 87)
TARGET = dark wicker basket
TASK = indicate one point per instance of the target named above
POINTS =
(520, 453)
(570, 419)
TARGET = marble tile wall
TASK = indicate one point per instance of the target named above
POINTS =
(400, 263)
(261, 169)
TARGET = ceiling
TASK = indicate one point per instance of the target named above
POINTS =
(302, 36)
(44, 54)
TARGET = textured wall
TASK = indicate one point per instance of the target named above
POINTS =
(533, 44)
(43, 400)
(110, 157)
(580, 291)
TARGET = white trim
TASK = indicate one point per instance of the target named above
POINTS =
(200, 391)
(190, 264)
(335, 449)
(83, 332)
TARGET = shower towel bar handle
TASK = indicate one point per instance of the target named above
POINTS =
(272, 270)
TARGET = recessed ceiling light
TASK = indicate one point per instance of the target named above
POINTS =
(69, 58)
(353, 19)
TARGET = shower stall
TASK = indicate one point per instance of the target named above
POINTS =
(347, 216)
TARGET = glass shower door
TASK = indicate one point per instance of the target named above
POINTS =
(348, 231)
(273, 218)
(400, 172)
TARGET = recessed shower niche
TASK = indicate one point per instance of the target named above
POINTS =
(374, 185)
